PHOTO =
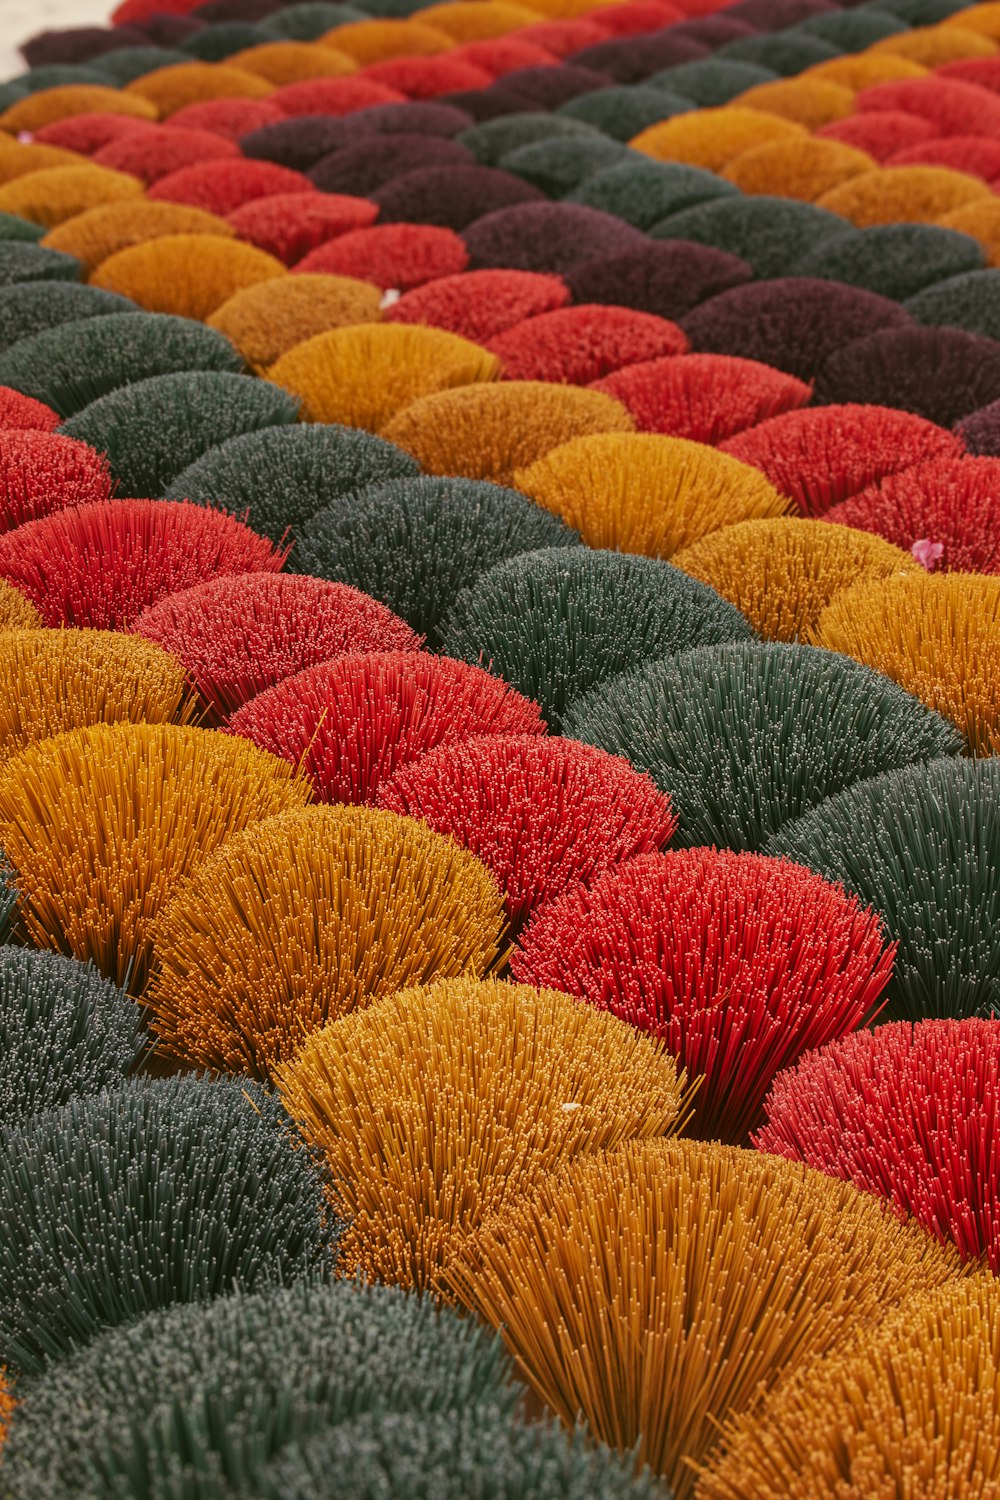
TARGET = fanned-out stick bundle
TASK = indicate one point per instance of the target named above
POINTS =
(499, 743)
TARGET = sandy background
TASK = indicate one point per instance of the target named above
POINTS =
(20, 19)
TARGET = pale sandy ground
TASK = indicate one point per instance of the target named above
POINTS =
(20, 19)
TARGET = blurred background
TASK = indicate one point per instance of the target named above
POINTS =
(20, 19)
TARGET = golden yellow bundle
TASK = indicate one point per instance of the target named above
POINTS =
(100, 824)
(492, 431)
(936, 634)
(933, 46)
(52, 681)
(803, 169)
(384, 37)
(18, 158)
(478, 20)
(711, 138)
(190, 275)
(16, 612)
(101, 232)
(863, 70)
(308, 917)
(565, 9)
(981, 219)
(662, 1286)
(782, 574)
(897, 195)
(55, 194)
(439, 1106)
(811, 102)
(915, 1411)
(172, 88)
(266, 320)
(363, 375)
(46, 106)
(289, 62)
(983, 18)
(638, 492)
